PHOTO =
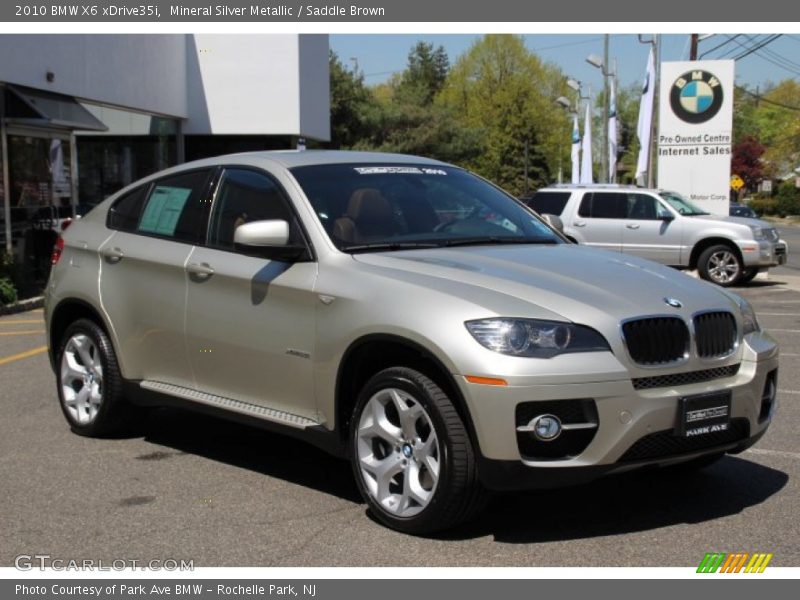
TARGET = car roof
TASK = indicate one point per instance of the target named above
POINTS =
(303, 158)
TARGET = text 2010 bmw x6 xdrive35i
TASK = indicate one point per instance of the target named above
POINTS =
(406, 314)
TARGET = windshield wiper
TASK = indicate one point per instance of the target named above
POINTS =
(378, 246)
(493, 241)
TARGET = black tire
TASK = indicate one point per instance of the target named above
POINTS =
(748, 275)
(458, 495)
(708, 266)
(114, 414)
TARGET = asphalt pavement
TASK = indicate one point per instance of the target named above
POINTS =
(220, 494)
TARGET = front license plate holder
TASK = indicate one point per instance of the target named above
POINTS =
(704, 414)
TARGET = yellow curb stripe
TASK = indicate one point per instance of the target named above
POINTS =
(765, 563)
(21, 355)
(25, 332)
(28, 321)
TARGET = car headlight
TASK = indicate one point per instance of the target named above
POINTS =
(534, 337)
(758, 233)
(749, 321)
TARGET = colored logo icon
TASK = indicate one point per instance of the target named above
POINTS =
(696, 96)
(736, 562)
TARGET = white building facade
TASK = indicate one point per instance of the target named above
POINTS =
(81, 116)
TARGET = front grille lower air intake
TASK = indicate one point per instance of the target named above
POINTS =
(715, 334)
(653, 341)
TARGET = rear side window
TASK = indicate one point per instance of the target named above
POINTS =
(604, 205)
(124, 214)
(549, 203)
(175, 207)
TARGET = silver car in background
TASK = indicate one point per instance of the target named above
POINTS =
(402, 313)
(665, 227)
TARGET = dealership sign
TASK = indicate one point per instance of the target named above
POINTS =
(695, 129)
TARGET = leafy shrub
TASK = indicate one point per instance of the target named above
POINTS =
(8, 292)
(764, 206)
(788, 199)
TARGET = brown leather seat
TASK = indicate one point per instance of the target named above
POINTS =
(368, 217)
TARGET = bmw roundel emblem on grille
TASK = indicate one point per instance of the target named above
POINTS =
(673, 302)
(696, 96)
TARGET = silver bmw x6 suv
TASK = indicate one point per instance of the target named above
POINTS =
(405, 314)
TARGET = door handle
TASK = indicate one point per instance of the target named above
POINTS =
(632, 226)
(113, 255)
(200, 270)
(579, 223)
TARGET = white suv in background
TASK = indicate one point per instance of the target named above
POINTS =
(664, 227)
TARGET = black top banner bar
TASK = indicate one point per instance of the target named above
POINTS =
(439, 11)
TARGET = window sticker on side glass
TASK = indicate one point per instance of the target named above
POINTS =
(163, 210)
(398, 171)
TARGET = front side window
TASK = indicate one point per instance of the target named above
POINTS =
(645, 208)
(397, 206)
(244, 196)
(175, 208)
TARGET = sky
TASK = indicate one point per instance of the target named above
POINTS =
(378, 56)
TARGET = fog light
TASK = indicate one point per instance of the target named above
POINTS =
(546, 427)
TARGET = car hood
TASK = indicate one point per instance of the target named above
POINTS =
(747, 221)
(565, 281)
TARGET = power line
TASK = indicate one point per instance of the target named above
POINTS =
(756, 45)
(755, 48)
(761, 98)
(718, 46)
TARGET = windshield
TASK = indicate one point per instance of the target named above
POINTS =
(681, 204)
(367, 207)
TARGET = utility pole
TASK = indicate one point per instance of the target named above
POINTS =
(604, 155)
(651, 176)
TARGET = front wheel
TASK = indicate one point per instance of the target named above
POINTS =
(720, 264)
(412, 457)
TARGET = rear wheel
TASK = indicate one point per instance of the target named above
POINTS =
(720, 264)
(90, 383)
(412, 457)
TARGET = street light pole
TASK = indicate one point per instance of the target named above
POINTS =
(602, 64)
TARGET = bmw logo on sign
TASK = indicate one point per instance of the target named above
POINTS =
(696, 96)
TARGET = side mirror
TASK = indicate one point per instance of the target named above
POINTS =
(667, 217)
(267, 239)
(554, 222)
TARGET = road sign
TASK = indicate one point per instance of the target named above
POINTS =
(737, 182)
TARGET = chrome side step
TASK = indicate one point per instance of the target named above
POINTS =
(254, 410)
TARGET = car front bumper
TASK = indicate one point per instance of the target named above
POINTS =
(764, 253)
(635, 427)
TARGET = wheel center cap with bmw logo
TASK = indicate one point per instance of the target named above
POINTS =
(696, 96)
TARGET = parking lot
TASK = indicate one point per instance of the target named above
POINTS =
(194, 488)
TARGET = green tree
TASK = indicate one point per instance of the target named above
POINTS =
(501, 90)
(405, 118)
(353, 107)
(777, 119)
(425, 74)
